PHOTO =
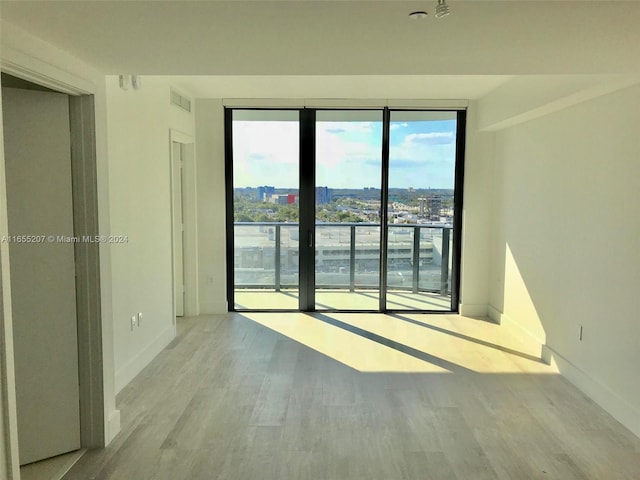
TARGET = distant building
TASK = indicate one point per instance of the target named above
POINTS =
(323, 195)
(255, 256)
(291, 199)
(434, 206)
(279, 199)
(264, 192)
(422, 205)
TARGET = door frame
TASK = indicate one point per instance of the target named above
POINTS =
(307, 212)
(306, 188)
(84, 178)
(89, 289)
(189, 220)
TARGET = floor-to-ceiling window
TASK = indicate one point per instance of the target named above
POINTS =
(348, 210)
(265, 200)
(421, 209)
(348, 174)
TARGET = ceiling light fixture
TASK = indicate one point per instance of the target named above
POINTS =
(417, 15)
(442, 10)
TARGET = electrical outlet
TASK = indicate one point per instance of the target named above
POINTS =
(139, 318)
(133, 322)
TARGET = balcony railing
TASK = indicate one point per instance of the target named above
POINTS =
(266, 256)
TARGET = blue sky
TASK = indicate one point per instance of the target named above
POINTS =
(348, 154)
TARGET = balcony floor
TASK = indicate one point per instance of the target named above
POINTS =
(263, 299)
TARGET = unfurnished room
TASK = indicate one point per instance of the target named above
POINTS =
(323, 239)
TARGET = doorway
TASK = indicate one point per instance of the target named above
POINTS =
(344, 210)
(177, 154)
(184, 223)
(50, 168)
(43, 290)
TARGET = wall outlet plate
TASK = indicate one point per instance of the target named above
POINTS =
(139, 318)
(134, 320)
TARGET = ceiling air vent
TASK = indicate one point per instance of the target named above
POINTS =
(180, 101)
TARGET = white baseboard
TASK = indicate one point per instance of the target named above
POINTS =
(627, 414)
(113, 426)
(494, 314)
(502, 319)
(134, 366)
(620, 409)
(473, 310)
(214, 308)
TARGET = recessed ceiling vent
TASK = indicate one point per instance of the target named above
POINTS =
(180, 101)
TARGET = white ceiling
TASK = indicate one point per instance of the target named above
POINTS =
(445, 87)
(339, 48)
(236, 37)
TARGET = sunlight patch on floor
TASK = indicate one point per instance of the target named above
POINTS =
(409, 342)
(343, 346)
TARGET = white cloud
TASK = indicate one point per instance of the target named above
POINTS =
(333, 150)
(430, 138)
(348, 155)
(344, 127)
(265, 153)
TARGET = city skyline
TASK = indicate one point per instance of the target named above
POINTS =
(296, 189)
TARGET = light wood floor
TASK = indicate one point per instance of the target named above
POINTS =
(349, 396)
(51, 468)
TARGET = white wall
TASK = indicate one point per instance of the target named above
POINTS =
(476, 216)
(566, 246)
(526, 97)
(211, 206)
(139, 123)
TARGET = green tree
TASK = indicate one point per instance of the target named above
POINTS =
(287, 213)
(348, 217)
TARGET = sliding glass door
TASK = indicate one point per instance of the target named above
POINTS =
(343, 210)
(421, 209)
(265, 172)
(347, 209)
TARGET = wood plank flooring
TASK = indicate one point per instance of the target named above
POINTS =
(51, 468)
(355, 397)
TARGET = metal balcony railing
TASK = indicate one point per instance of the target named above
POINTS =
(260, 251)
